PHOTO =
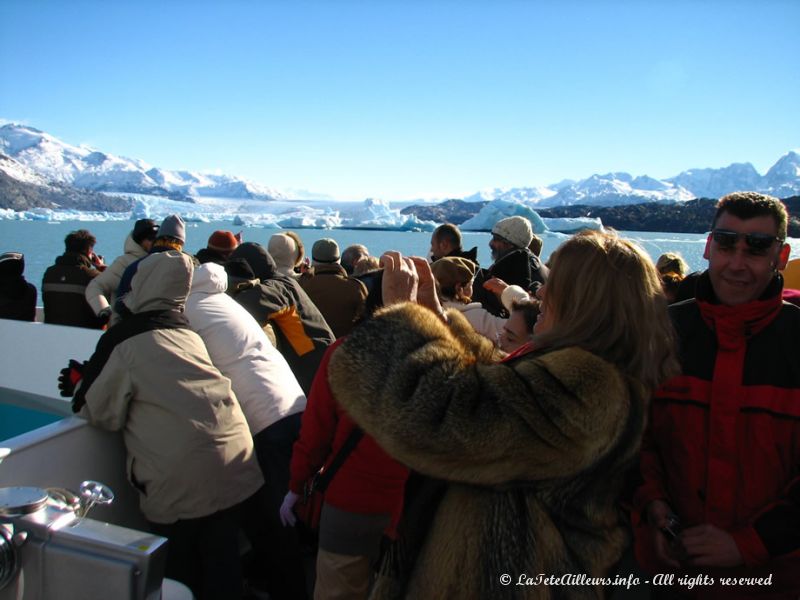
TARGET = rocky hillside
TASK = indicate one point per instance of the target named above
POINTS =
(19, 195)
(692, 216)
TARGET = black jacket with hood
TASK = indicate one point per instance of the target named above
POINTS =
(301, 331)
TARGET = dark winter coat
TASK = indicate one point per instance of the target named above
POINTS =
(519, 267)
(64, 292)
(301, 331)
(17, 296)
(533, 451)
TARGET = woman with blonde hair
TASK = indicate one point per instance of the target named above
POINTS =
(673, 270)
(672, 262)
(532, 451)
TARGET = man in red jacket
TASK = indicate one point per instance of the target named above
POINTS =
(720, 502)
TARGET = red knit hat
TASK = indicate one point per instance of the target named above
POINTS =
(222, 241)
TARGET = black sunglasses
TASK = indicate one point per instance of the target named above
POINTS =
(756, 242)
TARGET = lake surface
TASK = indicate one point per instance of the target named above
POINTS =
(42, 241)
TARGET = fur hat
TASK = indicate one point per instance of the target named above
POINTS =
(452, 270)
(283, 250)
(144, 229)
(174, 227)
(516, 230)
(222, 241)
(325, 250)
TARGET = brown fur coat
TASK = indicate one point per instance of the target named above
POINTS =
(534, 452)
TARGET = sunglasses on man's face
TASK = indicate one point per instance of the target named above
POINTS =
(757, 243)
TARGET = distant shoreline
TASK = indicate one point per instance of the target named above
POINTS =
(692, 216)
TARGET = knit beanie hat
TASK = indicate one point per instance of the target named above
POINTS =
(325, 250)
(12, 264)
(516, 230)
(173, 227)
(283, 250)
(222, 241)
(452, 270)
(144, 229)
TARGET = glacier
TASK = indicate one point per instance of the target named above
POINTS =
(370, 214)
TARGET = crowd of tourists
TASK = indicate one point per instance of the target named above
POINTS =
(467, 427)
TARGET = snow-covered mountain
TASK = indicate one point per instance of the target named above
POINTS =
(616, 189)
(16, 170)
(713, 183)
(38, 158)
(86, 168)
(784, 175)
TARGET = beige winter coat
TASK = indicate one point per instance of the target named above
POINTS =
(190, 452)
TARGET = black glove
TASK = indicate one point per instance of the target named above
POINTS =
(105, 314)
(69, 378)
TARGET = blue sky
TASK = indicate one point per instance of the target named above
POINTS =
(400, 100)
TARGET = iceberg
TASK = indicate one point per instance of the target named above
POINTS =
(573, 225)
(500, 209)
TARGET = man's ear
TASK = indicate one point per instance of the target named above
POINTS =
(783, 257)
(708, 245)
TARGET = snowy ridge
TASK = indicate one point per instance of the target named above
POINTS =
(616, 189)
(87, 168)
(20, 172)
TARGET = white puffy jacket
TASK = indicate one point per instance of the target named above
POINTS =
(260, 376)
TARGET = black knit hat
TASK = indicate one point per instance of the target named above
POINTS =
(12, 264)
(144, 229)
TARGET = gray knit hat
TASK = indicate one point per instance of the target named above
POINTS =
(325, 250)
(173, 227)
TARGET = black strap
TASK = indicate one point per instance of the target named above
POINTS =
(128, 327)
(323, 481)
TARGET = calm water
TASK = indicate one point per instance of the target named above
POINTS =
(42, 241)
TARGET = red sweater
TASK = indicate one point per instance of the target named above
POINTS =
(369, 481)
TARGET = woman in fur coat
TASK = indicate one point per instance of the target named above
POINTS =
(532, 450)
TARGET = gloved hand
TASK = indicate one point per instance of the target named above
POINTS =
(69, 378)
(287, 514)
(105, 314)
